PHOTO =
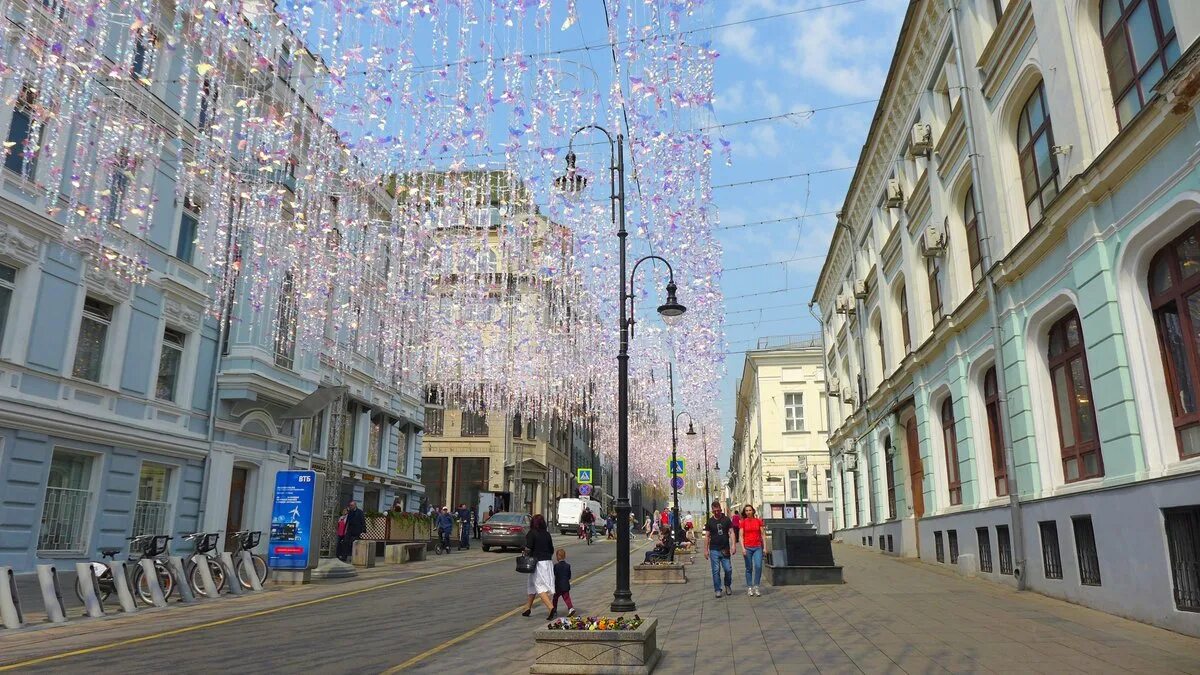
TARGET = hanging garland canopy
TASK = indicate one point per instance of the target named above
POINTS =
(377, 177)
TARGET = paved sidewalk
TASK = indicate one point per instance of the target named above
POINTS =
(892, 616)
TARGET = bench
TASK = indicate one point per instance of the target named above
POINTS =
(403, 553)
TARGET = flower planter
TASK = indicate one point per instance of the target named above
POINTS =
(674, 573)
(632, 652)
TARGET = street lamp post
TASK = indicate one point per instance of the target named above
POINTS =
(671, 309)
(677, 529)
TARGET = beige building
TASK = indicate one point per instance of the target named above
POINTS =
(466, 453)
(780, 460)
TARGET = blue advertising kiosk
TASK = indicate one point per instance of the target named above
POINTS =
(295, 526)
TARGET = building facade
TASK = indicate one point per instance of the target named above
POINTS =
(106, 424)
(780, 459)
(1006, 308)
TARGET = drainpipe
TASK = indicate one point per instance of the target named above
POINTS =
(861, 306)
(762, 447)
(985, 252)
(211, 430)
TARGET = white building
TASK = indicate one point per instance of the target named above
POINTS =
(1006, 303)
(780, 460)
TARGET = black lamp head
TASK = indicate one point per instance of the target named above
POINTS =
(691, 430)
(671, 310)
(571, 181)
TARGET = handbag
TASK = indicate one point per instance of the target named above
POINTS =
(526, 564)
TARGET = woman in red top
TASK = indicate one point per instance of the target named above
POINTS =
(751, 530)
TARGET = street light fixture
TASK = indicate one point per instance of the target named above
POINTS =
(691, 431)
(670, 311)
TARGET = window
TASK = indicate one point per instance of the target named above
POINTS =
(8, 286)
(991, 398)
(209, 93)
(375, 440)
(1085, 549)
(889, 470)
(530, 433)
(882, 543)
(905, 331)
(516, 426)
(1051, 559)
(433, 477)
(123, 169)
(24, 135)
(142, 68)
(939, 549)
(1174, 285)
(935, 291)
(974, 245)
(950, 446)
(883, 364)
(985, 549)
(1073, 401)
(1139, 46)
(470, 478)
(1183, 541)
(189, 221)
(311, 430)
(474, 424)
(152, 511)
(797, 486)
(793, 411)
(1004, 548)
(857, 496)
(283, 64)
(1035, 140)
(93, 333)
(285, 323)
(890, 549)
(434, 421)
(169, 361)
(66, 504)
(952, 535)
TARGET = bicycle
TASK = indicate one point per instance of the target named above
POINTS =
(443, 543)
(246, 540)
(206, 544)
(151, 546)
(590, 532)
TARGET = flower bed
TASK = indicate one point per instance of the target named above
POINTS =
(563, 648)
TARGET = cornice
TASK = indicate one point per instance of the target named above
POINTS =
(1005, 46)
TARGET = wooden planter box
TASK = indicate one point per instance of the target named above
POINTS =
(674, 573)
(594, 652)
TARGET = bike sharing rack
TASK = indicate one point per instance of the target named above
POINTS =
(93, 606)
(210, 587)
(232, 581)
(10, 602)
(51, 594)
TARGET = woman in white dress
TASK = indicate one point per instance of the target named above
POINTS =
(541, 583)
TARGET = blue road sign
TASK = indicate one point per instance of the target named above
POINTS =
(583, 476)
(585, 490)
(675, 468)
(677, 482)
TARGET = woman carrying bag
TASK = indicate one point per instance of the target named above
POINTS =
(540, 547)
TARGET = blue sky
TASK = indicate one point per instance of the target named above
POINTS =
(826, 57)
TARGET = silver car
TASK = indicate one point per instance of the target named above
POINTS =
(506, 529)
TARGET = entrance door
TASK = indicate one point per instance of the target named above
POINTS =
(916, 472)
(237, 504)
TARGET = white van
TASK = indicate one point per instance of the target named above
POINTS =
(569, 511)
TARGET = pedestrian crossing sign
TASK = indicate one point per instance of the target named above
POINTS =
(676, 467)
(583, 476)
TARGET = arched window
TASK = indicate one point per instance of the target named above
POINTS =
(1039, 171)
(991, 399)
(971, 222)
(883, 364)
(1139, 46)
(1073, 406)
(1175, 295)
(950, 441)
(904, 329)
(935, 291)
(889, 467)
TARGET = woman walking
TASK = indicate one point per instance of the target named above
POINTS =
(343, 545)
(654, 524)
(646, 528)
(541, 583)
(751, 530)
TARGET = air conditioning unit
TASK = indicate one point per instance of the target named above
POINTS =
(850, 461)
(860, 289)
(922, 139)
(845, 305)
(933, 240)
(895, 196)
(835, 387)
(847, 396)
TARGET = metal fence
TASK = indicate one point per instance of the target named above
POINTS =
(150, 517)
(63, 519)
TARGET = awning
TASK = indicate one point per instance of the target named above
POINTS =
(314, 403)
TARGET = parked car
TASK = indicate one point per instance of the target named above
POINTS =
(506, 529)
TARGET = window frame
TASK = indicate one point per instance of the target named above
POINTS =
(1064, 360)
(974, 243)
(889, 463)
(950, 452)
(905, 329)
(89, 507)
(934, 274)
(1051, 549)
(167, 500)
(983, 540)
(1181, 526)
(1027, 151)
(107, 323)
(10, 303)
(1120, 32)
(473, 424)
(25, 105)
(791, 421)
(991, 404)
(286, 322)
(179, 347)
(432, 428)
(186, 243)
(1086, 553)
(1175, 296)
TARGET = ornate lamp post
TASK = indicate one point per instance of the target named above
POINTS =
(677, 529)
(670, 310)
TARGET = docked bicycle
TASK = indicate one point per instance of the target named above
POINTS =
(246, 540)
(149, 546)
(205, 545)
